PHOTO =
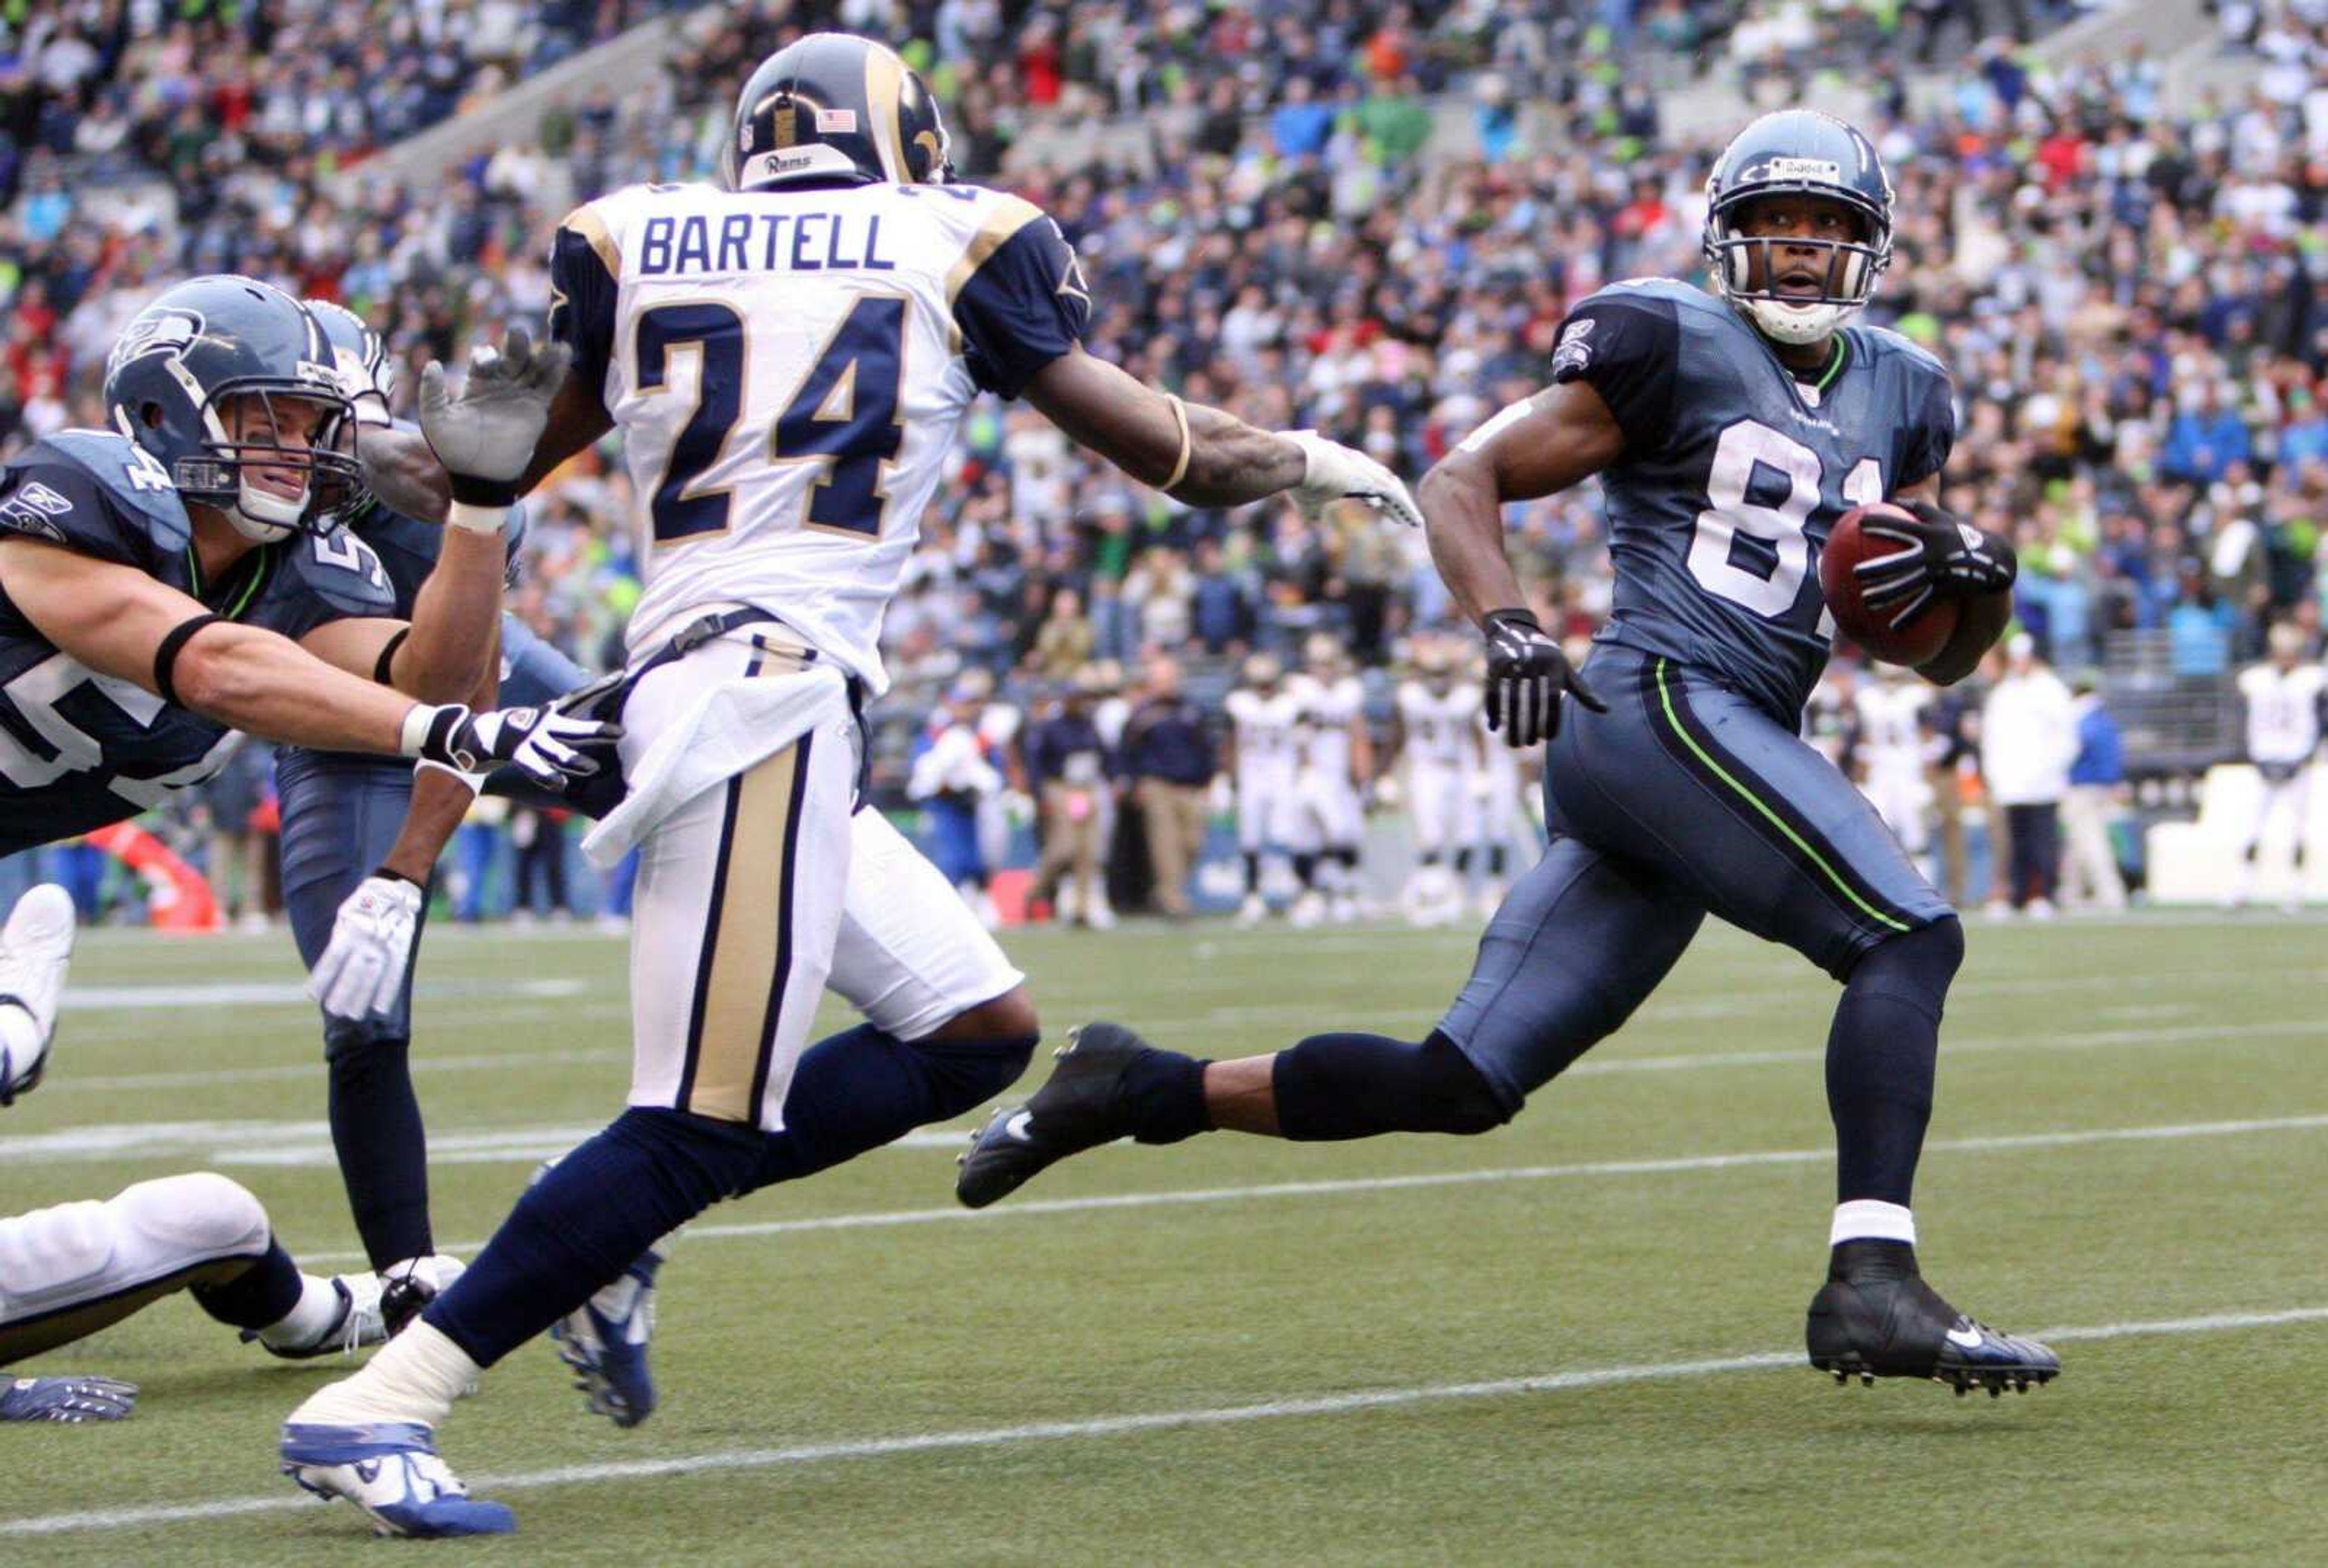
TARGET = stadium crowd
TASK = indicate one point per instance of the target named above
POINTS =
(2133, 303)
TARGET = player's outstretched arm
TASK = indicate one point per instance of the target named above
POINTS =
(1561, 436)
(118, 620)
(1201, 456)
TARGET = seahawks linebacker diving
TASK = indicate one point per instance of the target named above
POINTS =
(163, 585)
(351, 821)
(1730, 430)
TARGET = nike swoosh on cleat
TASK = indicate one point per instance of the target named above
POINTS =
(1971, 1340)
(1017, 1128)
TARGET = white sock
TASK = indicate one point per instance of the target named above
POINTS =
(309, 1320)
(1863, 1218)
(415, 1377)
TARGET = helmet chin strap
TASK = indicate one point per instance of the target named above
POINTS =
(264, 517)
(1797, 324)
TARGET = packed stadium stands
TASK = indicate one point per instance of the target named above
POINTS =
(1371, 221)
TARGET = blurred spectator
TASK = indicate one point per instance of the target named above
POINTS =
(1069, 766)
(2096, 796)
(952, 774)
(1167, 755)
(2028, 739)
(538, 836)
(236, 808)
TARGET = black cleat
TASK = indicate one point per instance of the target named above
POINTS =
(1080, 1107)
(1875, 1318)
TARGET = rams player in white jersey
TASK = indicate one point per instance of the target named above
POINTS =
(1502, 785)
(1334, 763)
(2284, 697)
(1263, 717)
(1887, 730)
(787, 354)
(1439, 742)
(71, 1268)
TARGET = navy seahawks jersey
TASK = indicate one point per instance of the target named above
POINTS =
(78, 749)
(1734, 470)
(408, 548)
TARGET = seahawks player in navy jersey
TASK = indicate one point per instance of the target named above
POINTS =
(342, 815)
(1728, 431)
(163, 585)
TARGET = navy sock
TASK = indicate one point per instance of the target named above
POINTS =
(260, 1296)
(862, 1088)
(1252, 872)
(587, 1218)
(1354, 1086)
(1463, 861)
(382, 1150)
(1164, 1093)
(1881, 1057)
(1304, 871)
(1496, 861)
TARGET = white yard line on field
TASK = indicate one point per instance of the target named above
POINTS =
(1312, 1406)
(308, 1142)
(1029, 1208)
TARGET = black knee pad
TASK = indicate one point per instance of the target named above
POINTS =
(1452, 1095)
(346, 1042)
(1916, 967)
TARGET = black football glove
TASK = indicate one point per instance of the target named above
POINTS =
(1939, 556)
(550, 747)
(1526, 675)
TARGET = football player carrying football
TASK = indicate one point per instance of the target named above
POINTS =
(1730, 430)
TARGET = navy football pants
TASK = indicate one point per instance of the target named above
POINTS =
(1685, 798)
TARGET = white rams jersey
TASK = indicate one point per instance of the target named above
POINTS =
(1890, 733)
(1264, 724)
(788, 367)
(1326, 709)
(2283, 712)
(1439, 725)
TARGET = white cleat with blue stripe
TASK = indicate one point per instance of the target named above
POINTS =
(390, 1470)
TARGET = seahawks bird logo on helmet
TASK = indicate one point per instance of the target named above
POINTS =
(834, 108)
(1797, 153)
(203, 379)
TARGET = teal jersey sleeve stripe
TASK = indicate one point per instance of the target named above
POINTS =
(1664, 696)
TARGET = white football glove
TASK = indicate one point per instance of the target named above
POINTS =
(486, 437)
(1339, 472)
(362, 969)
(549, 745)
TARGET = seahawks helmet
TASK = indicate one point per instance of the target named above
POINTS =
(834, 108)
(367, 371)
(1797, 153)
(197, 348)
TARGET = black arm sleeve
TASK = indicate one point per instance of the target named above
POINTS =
(1026, 305)
(582, 299)
(1627, 348)
(1931, 434)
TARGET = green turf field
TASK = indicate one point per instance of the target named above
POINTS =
(1577, 1339)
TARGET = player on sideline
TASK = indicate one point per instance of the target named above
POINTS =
(74, 1268)
(346, 830)
(788, 355)
(1262, 722)
(2283, 698)
(1729, 433)
(1439, 747)
(1333, 763)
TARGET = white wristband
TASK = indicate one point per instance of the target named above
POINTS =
(476, 519)
(417, 720)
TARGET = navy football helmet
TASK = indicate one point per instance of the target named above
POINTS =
(1797, 153)
(834, 108)
(182, 362)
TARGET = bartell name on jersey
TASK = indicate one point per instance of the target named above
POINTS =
(1264, 724)
(1734, 470)
(1439, 724)
(78, 749)
(789, 366)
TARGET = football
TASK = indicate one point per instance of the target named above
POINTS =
(1847, 544)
